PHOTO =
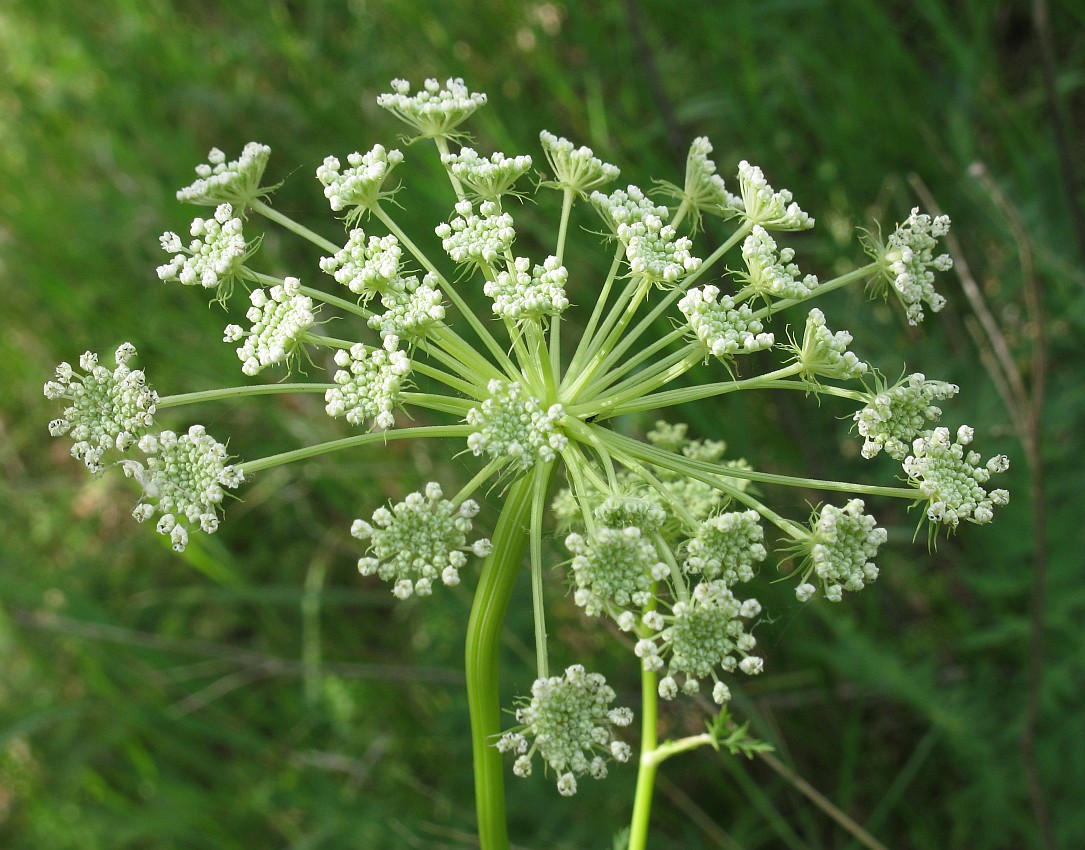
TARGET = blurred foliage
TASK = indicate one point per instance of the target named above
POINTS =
(256, 692)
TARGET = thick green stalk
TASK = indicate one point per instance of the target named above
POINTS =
(646, 772)
(488, 611)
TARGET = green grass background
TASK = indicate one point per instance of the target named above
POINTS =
(256, 693)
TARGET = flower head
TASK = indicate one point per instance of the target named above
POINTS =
(524, 292)
(369, 382)
(411, 311)
(893, 417)
(727, 546)
(436, 110)
(723, 328)
(704, 190)
(655, 252)
(569, 723)
(771, 272)
(825, 354)
(952, 479)
(515, 426)
(487, 179)
(699, 639)
(573, 168)
(628, 206)
(614, 569)
(222, 182)
(214, 259)
(479, 239)
(907, 262)
(420, 540)
(361, 185)
(366, 268)
(184, 480)
(762, 205)
(280, 318)
(840, 551)
(108, 410)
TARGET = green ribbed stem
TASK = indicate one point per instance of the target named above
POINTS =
(491, 603)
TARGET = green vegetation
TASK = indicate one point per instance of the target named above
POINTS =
(255, 692)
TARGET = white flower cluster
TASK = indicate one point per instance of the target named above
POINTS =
(701, 500)
(479, 239)
(369, 382)
(514, 425)
(952, 480)
(280, 319)
(765, 206)
(614, 569)
(722, 327)
(213, 259)
(524, 292)
(770, 273)
(237, 182)
(628, 206)
(360, 185)
(727, 546)
(420, 540)
(183, 480)
(654, 252)
(704, 189)
(412, 309)
(840, 551)
(908, 259)
(625, 510)
(436, 110)
(577, 169)
(488, 179)
(894, 417)
(569, 723)
(825, 353)
(699, 638)
(109, 409)
(365, 268)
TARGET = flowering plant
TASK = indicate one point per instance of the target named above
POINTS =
(664, 534)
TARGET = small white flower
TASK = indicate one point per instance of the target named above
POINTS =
(488, 179)
(577, 169)
(360, 186)
(764, 206)
(907, 262)
(280, 318)
(237, 182)
(214, 259)
(516, 426)
(952, 479)
(723, 328)
(369, 383)
(436, 110)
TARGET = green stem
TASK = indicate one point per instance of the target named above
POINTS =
(538, 506)
(291, 225)
(491, 603)
(584, 348)
(821, 289)
(646, 772)
(238, 392)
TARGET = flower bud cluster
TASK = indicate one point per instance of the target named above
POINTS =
(764, 206)
(840, 551)
(952, 480)
(699, 639)
(515, 426)
(723, 328)
(908, 259)
(772, 273)
(366, 268)
(629, 206)
(108, 410)
(420, 540)
(213, 259)
(576, 169)
(569, 723)
(236, 182)
(487, 179)
(184, 480)
(654, 252)
(480, 239)
(726, 546)
(893, 417)
(436, 110)
(625, 510)
(360, 185)
(412, 310)
(704, 189)
(525, 293)
(369, 382)
(826, 354)
(280, 319)
(615, 568)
